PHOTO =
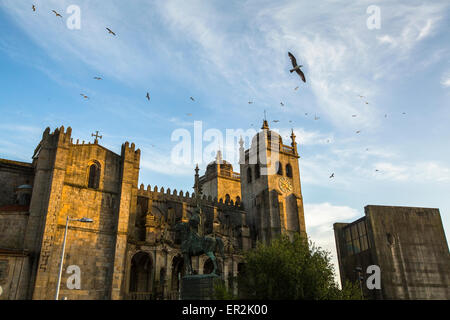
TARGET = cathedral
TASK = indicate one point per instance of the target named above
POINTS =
(130, 249)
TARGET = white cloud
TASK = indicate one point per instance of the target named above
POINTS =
(430, 171)
(319, 219)
(445, 80)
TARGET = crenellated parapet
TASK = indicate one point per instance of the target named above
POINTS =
(129, 152)
(161, 194)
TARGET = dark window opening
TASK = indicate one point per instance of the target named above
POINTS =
(288, 170)
(249, 175)
(279, 168)
(94, 176)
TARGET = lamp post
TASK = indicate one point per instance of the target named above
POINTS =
(360, 279)
(85, 220)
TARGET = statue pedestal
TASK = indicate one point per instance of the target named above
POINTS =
(198, 287)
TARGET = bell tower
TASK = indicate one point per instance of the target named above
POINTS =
(270, 186)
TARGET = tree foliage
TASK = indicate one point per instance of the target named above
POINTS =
(291, 270)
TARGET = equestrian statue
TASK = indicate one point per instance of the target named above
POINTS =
(192, 244)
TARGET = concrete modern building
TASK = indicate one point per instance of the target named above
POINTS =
(131, 250)
(409, 246)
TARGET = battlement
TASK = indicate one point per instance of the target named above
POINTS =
(129, 152)
(163, 194)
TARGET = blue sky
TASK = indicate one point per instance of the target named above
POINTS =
(225, 55)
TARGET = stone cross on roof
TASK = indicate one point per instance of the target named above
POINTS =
(96, 137)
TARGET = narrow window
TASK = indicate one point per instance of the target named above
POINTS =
(94, 176)
(288, 170)
(257, 171)
(279, 168)
(249, 175)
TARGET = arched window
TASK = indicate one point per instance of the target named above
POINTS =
(227, 198)
(279, 168)
(257, 171)
(94, 176)
(238, 200)
(249, 175)
(288, 170)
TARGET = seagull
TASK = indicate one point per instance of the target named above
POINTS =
(33, 7)
(361, 96)
(332, 175)
(376, 170)
(306, 114)
(296, 67)
(367, 102)
(110, 31)
(385, 115)
(192, 99)
(250, 102)
(328, 141)
(296, 88)
(148, 96)
(404, 112)
(57, 14)
(282, 104)
(276, 121)
(353, 115)
(84, 96)
(358, 131)
(98, 78)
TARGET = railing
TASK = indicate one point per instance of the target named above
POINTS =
(287, 149)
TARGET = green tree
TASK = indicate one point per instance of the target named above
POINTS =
(291, 270)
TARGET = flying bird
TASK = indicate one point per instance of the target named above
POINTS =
(148, 96)
(98, 78)
(282, 104)
(316, 117)
(57, 14)
(296, 67)
(33, 7)
(385, 115)
(250, 102)
(84, 96)
(353, 115)
(276, 121)
(306, 114)
(361, 96)
(189, 114)
(358, 131)
(332, 175)
(110, 31)
(296, 88)
(192, 99)
(367, 102)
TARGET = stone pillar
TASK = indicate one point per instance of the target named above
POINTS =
(126, 215)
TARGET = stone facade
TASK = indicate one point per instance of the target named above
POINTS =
(130, 250)
(407, 243)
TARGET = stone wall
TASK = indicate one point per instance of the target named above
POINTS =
(412, 251)
(12, 175)
(12, 229)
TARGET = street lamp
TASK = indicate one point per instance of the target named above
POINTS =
(85, 220)
(360, 279)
